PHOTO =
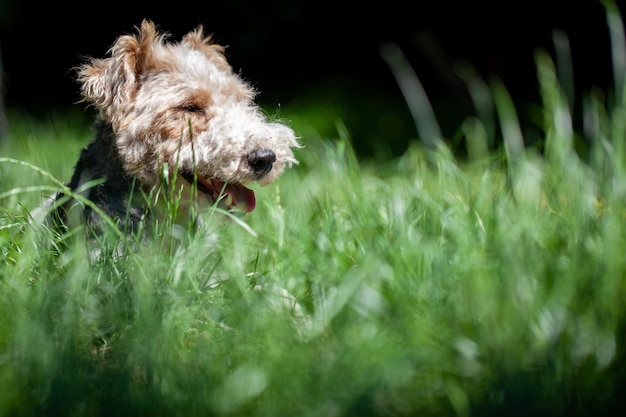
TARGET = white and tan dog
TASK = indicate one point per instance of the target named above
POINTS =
(174, 103)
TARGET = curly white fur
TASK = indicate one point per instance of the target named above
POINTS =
(180, 103)
(174, 103)
(153, 92)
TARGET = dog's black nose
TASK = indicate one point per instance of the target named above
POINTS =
(261, 161)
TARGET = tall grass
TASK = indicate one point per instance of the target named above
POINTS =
(425, 286)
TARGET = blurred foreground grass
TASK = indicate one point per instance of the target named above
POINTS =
(423, 286)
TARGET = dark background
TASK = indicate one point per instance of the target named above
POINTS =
(296, 50)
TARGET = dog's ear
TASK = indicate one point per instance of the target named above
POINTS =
(110, 83)
(197, 40)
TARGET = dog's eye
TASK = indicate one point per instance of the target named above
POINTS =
(190, 108)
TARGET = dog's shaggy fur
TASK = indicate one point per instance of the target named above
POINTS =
(174, 103)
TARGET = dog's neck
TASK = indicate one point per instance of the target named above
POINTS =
(116, 196)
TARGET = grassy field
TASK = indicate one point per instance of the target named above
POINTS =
(425, 285)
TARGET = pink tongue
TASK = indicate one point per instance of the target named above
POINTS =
(241, 196)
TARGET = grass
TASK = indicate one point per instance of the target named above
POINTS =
(422, 286)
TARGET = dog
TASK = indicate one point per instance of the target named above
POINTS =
(172, 117)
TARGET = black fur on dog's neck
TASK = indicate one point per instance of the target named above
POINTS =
(101, 160)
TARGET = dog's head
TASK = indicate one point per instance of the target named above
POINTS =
(180, 103)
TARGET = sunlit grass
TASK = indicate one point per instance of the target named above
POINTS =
(424, 286)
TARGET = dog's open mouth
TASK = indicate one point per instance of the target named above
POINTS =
(231, 195)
